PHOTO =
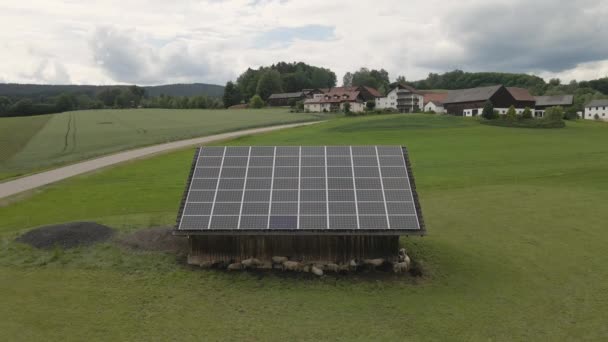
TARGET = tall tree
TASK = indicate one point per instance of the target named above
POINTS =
(347, 80)
(269, 83)
(401, 79)
(232, 95)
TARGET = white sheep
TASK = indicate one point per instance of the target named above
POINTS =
(401, 267)
(353, 265)
(279, 259)
(373, 263)
(344, 268)
(306, 269)
(332, 268)
(251, 263)
(316, 271)
(292, 266)
(235, 266)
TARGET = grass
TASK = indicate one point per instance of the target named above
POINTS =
(34, 143)
(515, 251)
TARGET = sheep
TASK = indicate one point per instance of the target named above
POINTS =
(316, 271)
(251, 263)
(279, 259)
(353, 265)
(373, 263)
(344, 268)
(401, 267)
(332, 268)
(235, 266)
(206, 264)
(306, 269)
(292, 266)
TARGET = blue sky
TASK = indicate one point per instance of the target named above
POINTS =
(155, 42)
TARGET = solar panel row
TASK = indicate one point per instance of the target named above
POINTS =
(290, 187)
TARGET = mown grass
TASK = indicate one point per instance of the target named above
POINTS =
(34, 143)
(515, 251)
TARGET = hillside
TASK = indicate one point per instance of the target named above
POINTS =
(48, 90)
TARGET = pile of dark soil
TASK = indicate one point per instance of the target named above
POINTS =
(156, 239)
(67, 235)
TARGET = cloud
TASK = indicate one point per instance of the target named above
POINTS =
(283, 36)
(213, 41)
(523, 36)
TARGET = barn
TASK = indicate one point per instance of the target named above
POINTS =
(470, 102)
(309, 203)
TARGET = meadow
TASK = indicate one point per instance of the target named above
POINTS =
(516, 249)
(29, 144)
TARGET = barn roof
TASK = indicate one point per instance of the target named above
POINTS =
(554, 100)
(597, 103)
(286, 95)
(300, 190)
(437, 98)
(521, 94)
(472, 94)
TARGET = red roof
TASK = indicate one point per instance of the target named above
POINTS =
(338, 95)
(435, 97)
(373, 91)
(521, 94)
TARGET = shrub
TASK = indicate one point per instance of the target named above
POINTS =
(488, 112)
(370, 105)
(596, 117)
(570, 114)
(511, 114)
(256, 102)
(299, 106)
(555, 114)
(527, 114)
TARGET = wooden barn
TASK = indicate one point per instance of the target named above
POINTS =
(307, 203)
(470, 102)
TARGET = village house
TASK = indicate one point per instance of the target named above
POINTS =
(596, 110)
(334, 99)
(433, 102)
(402, 98)
(544, 102)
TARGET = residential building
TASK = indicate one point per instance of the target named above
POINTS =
(596, 110)
(334, 99)
(470, 102)
(286, 99)
(433, 102)
(544, 102)
(402, 98)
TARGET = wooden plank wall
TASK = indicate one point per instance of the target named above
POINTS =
(340, 249)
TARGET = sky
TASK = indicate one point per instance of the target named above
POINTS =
(148, 42)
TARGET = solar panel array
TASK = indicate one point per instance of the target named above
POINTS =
(300, 188)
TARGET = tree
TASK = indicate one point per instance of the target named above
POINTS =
(347, 80)
(269, 83)
(65, 102)
(488, 111)
(232, 95)
(346, 107)
(256, 102)
(511, 114)
(5, 103)
(527, 114)
(570, 113)
(377, 79)
(554, 114)
(370, 105)
(401, 79)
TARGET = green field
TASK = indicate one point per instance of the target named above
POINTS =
(33, 143)
(516, 249)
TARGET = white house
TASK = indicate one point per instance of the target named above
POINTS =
(335, 99)
(435, 107)
(596, 110)
(403, 98)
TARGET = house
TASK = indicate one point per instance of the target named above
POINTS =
(470, 102)
(298, 202)
(334, 99)
(523, 99)
(402, 98)
(433, 102)
(285, 99)
(596, 110)
(544, 102)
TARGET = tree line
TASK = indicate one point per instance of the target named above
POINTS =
(120, 97)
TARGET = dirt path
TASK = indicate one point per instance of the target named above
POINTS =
(16, 186)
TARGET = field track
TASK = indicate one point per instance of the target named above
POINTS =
(19, 185)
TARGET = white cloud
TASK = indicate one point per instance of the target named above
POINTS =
(152, 42)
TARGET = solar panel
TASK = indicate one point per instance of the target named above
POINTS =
(308, 189)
